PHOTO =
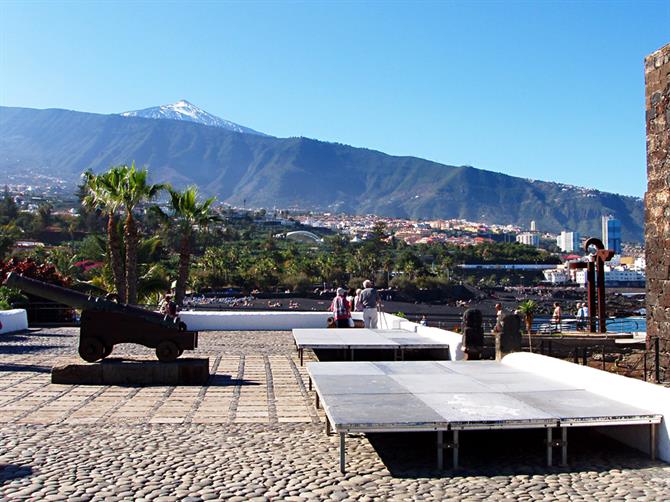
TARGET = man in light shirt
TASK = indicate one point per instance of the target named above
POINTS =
(369, 301)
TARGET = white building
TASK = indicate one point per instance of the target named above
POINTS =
(568, 242)
(615, 276)
(557, 275)
(529, 238)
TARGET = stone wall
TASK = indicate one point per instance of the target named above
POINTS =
(657, 204)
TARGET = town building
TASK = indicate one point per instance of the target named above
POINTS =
(529, 238)
(616, 276)
(559, 275)
(568, 242)
(611, 232)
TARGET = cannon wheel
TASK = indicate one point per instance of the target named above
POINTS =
(108, 350)
(167, 351)
(91, 349)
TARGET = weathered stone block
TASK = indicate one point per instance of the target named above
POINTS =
(115, 371)
(657, 203)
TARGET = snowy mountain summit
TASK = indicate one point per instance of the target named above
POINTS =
(183, 110)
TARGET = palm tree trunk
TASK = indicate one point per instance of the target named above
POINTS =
(131, 258)
(114, 244)
(182, 274)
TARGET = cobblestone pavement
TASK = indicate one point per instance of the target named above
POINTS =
(253, 433)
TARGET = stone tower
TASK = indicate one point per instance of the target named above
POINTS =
(657, 203)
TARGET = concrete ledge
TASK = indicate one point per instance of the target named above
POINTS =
(116, 371)
(13, 320)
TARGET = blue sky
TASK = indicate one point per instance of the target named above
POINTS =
(545, 90)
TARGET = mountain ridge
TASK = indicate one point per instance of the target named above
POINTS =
(299, 172)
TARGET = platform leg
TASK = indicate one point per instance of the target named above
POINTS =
(342, 452)
(352, 354)
(549, 447)
(440, 450)
(327, 427)
(317, 401)
(652, 441)
(302, 356)
(402, 353)
(564, 446)
(309, 379)
(454, 453)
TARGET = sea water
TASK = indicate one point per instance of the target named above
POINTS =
(614, 325)
(627, 324)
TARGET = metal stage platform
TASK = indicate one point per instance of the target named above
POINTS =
(454, 396)
(352, 339)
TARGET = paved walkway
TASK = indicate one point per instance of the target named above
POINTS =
(253, 432)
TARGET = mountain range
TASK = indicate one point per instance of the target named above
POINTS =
(263, 171)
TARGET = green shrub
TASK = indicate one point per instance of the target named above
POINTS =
(9, 296)
(299, 283)
(404, 284)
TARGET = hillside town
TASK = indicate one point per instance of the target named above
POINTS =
(627, 269)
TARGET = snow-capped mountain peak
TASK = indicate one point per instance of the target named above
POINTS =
(183, 110)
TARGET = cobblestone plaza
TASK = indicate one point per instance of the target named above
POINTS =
(254, 433)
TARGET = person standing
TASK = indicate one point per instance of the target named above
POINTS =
(500, 313)
(341, 309)
(556, 317)
(350, 298)
(358, 307)
(370, 302)
(585, 315)
(581, 317)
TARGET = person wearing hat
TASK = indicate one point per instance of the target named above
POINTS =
(341, 309)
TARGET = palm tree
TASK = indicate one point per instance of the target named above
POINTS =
(102, 192)
(134, 190)
(528, 308)
(185, 215)
(151, 278)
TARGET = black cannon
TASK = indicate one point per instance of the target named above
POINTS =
(104, 322)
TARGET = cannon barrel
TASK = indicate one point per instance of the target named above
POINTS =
(85, 302)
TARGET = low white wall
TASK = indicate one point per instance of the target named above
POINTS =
(256, 320)
(619, 388)
(13, 320)
(455, 340)
(286, 321)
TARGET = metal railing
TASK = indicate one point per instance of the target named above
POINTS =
(603, 352)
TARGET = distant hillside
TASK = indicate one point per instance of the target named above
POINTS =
(300, 172)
